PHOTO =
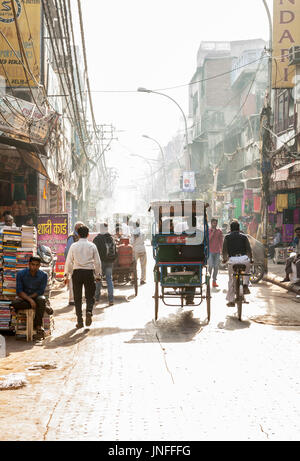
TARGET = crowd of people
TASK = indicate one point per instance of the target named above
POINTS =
(87, 263)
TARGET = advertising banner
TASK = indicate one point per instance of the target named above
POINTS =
(188, 181)
(52, 231)
(286, 33)
(28, 16)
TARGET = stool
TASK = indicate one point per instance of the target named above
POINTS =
(29, 323)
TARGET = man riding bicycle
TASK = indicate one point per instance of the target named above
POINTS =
(236, 250)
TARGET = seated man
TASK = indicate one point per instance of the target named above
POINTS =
(31, 284)
(293, 259)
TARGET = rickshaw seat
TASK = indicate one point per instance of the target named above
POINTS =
(192, 253)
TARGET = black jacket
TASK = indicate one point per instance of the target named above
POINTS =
(100, 241)
(236, 244)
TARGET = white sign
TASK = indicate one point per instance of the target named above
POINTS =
(188, 181)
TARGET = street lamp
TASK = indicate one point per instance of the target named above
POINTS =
(145, 90)
(163, 159)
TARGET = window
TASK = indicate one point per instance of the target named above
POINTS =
(284, 110)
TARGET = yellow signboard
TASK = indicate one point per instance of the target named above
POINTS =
(286, 33)
(20, 46)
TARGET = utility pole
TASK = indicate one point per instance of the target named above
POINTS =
(266, 142)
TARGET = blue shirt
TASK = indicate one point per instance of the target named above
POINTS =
(29, 284)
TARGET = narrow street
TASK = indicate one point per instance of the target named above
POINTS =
(129, 378)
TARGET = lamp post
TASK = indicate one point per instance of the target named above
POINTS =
(151, 170)
(145, 90)
(163, 159)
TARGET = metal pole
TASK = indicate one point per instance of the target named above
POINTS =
(163, 159)
(145, 90)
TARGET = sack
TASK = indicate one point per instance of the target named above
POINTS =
(111, 249)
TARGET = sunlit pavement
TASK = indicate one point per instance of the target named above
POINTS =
(129, 378)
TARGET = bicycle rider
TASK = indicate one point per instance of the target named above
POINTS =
(236, 250)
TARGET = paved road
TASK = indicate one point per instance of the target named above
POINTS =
(129, 378)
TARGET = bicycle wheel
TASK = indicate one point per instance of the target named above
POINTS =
(156, 301)
(239, 298)
(257, 272)
(208, 298)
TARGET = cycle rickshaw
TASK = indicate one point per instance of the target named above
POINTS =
(180, 241)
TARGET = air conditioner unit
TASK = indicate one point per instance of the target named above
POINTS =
(294, 55)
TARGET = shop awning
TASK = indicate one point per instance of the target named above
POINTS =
(282, 173)
(11, 157)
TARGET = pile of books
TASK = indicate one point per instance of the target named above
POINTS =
(29, 237)
(23, 256)
(11, 242)
(5, 315)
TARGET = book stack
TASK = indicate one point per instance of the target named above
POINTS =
(29, 238)
(11, 242)
(5, 315)
(23, 256)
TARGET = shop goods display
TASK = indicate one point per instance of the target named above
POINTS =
(17, 245)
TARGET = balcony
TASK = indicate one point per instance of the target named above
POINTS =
(242, 68)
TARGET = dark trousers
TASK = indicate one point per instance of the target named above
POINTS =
(80, 278)
(39, 310)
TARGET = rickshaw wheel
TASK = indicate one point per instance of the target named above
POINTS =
(156, 299)
(208, 298)
(239, 300)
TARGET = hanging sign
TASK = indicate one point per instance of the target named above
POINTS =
(188, 181)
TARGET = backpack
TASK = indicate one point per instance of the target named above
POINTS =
(111, 249)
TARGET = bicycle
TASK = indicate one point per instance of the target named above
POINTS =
(238, 274)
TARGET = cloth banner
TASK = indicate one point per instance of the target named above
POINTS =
(292, 200)
(282, 202)
(272, 207)
(297, 216)
(256, 204)
(279, 221)
(237, 202)
(287, 233)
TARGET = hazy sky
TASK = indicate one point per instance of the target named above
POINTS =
(132, 43)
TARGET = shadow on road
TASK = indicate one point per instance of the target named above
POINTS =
(233, 323)
(176, 328)
(70, 338)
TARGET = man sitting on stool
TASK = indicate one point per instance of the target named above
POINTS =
(31, 284)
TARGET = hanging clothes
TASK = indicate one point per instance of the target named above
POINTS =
(292, 200)
(287, 233)
(297, 216)
(279, 221)
(282, 202)
(272, 207)
(237, 202)
(288, 216)
(256, 204)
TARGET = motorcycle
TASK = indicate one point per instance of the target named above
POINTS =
(48, 261)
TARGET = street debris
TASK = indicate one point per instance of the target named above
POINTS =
(12, 381)
(43, 365)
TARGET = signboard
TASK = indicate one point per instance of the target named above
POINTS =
(286, 33)
(28, 15)
(52, 231)
(188, 181)
(22, 120)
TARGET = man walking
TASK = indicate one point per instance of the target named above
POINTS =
(107, 251)
(72, 239)
(139, 250)
(215, 249)
(31, 284)
(84, 264)
(236, 250)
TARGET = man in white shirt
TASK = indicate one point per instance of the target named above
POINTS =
(84, 264)
(139, 250)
